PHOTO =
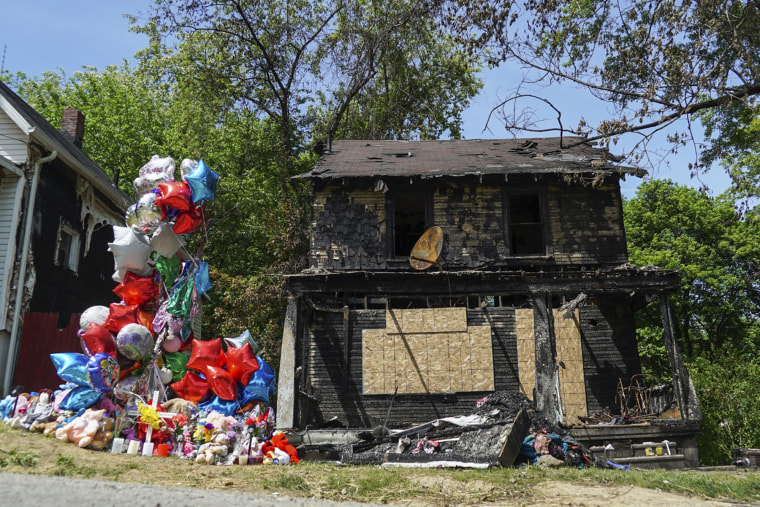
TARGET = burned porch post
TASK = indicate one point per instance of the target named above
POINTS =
(683, 388)
(287, 381)
(546, 369)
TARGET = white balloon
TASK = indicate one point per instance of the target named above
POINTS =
(157, 170)
(165, 242)
(97, 314)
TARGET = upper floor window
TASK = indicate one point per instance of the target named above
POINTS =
(67, 248)
(410, 219)
(526, 225)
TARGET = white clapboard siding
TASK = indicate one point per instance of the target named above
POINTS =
(12, 140)
(10, 197)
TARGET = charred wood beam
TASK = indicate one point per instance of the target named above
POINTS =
(546, 369)
(286, 386)
(683, 388)
(346, 347)
(445, 283)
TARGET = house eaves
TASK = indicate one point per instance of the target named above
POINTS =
(39, 130)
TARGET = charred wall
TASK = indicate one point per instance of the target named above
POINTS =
(58, 289)
(583, 224)
(339, 389)
(609, 351)
(587, 223)
(607, 341)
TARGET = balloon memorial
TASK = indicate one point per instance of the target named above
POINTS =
(145, 382)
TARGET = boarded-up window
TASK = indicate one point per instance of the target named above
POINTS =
(427, 351)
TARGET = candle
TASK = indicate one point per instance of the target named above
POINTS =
(118, 446)
(147, 448)
(242, 460)
(163, 450)
(134, 447)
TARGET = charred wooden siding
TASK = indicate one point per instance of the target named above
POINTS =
(348, 230)
(339, 389)
(58, 289)
(609, 351)
(471, 217)
(583, 224)
(587, 224)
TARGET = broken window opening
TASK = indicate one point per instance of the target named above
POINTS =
(67, 247)
(526, 227)
(409, 221)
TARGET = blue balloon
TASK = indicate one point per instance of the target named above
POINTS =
(202, 183)
(261, 385)
(103, 372)
(71, 367)
(224, 407)
(80, 398)
(202, 282)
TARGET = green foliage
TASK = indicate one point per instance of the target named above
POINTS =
(14, 457)
(651, 64)
(727, 387)
(714, 248)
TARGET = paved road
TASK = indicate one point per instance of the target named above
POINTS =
(19, 490)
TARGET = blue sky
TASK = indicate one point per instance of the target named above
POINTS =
(40, 35)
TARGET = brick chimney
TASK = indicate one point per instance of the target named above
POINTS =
(72, 125)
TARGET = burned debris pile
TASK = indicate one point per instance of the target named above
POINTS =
(501, 431)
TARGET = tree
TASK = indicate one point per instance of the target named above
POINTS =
(656, 62)
(715, 249)
(125, 120)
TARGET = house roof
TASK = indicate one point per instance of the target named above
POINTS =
(430, 159)
(40, 130)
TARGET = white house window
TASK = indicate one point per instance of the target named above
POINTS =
(67, 248)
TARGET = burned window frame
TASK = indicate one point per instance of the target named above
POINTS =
(70, 253)
(543, 225)
(390, 210)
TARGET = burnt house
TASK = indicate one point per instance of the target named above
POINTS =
(56, 209)
(525, 287)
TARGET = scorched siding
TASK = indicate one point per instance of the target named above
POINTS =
(343, 398)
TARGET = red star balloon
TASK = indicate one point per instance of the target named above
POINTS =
(192, 387)
(242, 363)
(221, 383)
(175, 194)
(121, 315)
(188, 221)
(97, 339)
(136, 289)
(206, 353)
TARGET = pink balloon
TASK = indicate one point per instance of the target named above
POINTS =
(173, 344)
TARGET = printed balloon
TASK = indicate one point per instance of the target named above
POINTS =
(102, 372)
(134, 341)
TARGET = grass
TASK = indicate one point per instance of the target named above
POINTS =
(370, 484)
(14, 457)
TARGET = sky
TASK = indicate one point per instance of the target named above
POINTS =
(41, 35)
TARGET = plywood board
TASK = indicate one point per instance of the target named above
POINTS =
(571, 377)
(526, 351)
(427, 351)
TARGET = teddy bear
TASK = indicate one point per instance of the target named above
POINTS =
(217, 446)
(46, 428)
(91, 429)
(181, 406)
